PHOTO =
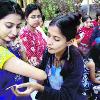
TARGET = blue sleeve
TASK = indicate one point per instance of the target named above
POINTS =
(94, 34)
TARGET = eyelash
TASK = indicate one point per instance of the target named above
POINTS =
(10, 26)
(54, 38)
(34, 16)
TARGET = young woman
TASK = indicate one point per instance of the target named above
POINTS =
(89, 76)
(95, 54)
(10, 20)
(91, 67)
(62, 62)
(31, 38)
(96, 22)
(84, 34)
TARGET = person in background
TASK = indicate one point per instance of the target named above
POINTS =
(84, 34)
(10, 21)
(62, 62)
(97, 21)
(89, 75)
(95, 55)
(95, 38)
(31, 38)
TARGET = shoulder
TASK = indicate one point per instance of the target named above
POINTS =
(5, 55)
(4, 51)
(23, 31)
(90, 63)
(95, 23)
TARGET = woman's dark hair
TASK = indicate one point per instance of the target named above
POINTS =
(95, 54)
(67, 24)
(10, 7)
(97, 14)
(85, 18)
(31, 7)
(76, 16)
(43, 18)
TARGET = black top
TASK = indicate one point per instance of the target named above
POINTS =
(72, 73)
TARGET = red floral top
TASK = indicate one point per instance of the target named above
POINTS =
(95, 23)
(34, 45)
(85, 34)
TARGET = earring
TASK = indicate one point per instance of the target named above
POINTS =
(68, 53)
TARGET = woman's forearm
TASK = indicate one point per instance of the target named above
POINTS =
(18, 66)
(96, 81)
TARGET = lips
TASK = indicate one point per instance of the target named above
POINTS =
(50, 48)
(12, 38)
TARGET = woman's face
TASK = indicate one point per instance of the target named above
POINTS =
(34, 18)
(88, 23)
(56, 42)
(99, 19)
(9, 27)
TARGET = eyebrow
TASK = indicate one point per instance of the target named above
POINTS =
(35, 15)
(53, 35)
(19, 24)
(9, 22)
(13, 23)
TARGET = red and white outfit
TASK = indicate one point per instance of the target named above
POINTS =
(95, 23)
(84, 33)
(34, 44)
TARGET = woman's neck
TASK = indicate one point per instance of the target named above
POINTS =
(59, 54)
(30, 28)
(3, 43)
(58, 62)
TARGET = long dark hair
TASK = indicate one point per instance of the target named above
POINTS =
(85, 18)
(67, 25)
(10, 7)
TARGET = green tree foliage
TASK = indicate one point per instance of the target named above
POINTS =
(52, 8)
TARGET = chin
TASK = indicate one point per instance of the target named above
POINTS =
(7, 40)
(51, 52)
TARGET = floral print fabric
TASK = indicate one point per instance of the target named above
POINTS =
(34, 45)
(84, 34)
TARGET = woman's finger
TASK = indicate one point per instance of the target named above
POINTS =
(14, 91)
(24, 93)
(23, 85)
